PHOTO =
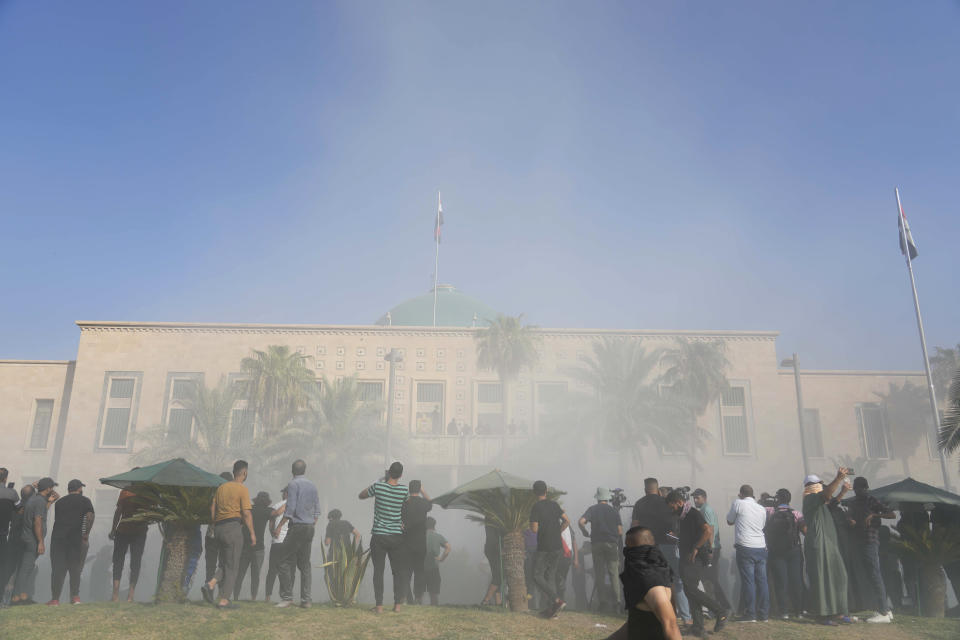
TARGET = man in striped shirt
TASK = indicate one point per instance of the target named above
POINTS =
(387, 534)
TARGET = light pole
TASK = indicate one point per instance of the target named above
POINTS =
(793, 362)
(393, 357)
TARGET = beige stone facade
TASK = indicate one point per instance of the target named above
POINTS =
(125, 375)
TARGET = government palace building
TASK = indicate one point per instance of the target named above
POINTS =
(81, 417)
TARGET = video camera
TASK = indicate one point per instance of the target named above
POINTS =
(618, 499)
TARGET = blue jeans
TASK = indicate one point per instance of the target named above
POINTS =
(672, 555)
(868, 555)
(752, 564)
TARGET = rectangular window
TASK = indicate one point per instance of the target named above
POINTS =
(735, 436)
(733, 397)
(121, 388)
(183, 389)
(115, 427)
(733, 420)
(812, 433)
(429, 392)
(241, 427)
(180, 423)
(118, 409)
(429, 408)
(370, 391)
(873, 434)
(42, 417)
(488, 392)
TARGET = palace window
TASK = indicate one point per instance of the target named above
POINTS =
(429, 408)
(733, 417)
(370, 390)
(118, 409)
(241, 427)
(42, 417)
(181, 387)
(873, 431)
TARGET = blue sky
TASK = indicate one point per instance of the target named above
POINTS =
(625, 165)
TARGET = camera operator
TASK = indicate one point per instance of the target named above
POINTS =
(606, 528)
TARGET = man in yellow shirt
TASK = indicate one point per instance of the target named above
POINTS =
(230, 507)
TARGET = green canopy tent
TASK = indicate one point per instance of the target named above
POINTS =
(459, 498)
(172, 473)
(177, 495)
(501, 500)
(913, 491)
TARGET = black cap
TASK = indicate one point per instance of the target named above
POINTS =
(45, 483)
(74, 484)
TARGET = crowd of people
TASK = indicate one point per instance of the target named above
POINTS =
(234, 544)
(820, 562)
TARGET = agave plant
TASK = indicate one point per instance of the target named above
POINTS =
(344, 570)
(931, 550)
(179, 511)
(509, 511)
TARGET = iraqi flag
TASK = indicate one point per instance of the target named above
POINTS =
(906, 238)
(438, 223)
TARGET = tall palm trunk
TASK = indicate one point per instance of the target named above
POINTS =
(514, 551)
(176, 543)
(933, 591)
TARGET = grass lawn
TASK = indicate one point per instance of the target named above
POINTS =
(260, 620)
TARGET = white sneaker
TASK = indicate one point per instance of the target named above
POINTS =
(881, 618)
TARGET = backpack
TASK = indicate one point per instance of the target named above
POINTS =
(782, 531)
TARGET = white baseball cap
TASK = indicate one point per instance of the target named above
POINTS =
(812, 479)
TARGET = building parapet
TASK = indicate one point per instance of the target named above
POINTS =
(850, 372)
(321, 329)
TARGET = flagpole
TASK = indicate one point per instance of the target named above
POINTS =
(436, 262)
(923, 339)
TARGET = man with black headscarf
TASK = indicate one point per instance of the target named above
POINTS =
(647, 589)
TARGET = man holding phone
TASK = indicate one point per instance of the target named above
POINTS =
(387, 534)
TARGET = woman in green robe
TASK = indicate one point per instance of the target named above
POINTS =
(827, 596)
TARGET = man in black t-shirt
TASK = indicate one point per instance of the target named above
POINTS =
(606, 528)
(694, 547)
(339, 531)
(413, 513)
(651, 512)
(251, 556)
(73, 519)
(547, 520)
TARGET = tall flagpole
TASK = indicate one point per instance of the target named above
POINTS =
(436, 263)
(923, 339)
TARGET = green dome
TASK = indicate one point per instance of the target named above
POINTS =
(454, 309)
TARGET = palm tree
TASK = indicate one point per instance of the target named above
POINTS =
(334, 434)
(279, 387)
(626, 404)
(210, 445)
(509, 511)
(695, 378)
(931, 550)
(943, 363)
(506, 346)
(949, 440)
(179, 511)
(907, 411)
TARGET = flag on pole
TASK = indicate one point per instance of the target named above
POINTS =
(439, 221)
(904, 228)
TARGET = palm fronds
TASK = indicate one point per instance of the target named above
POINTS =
(344, 570)
(949, 437)
(507, 510)
(938, 547)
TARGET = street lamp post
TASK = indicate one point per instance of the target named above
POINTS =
(794, 362)
(393, 357)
